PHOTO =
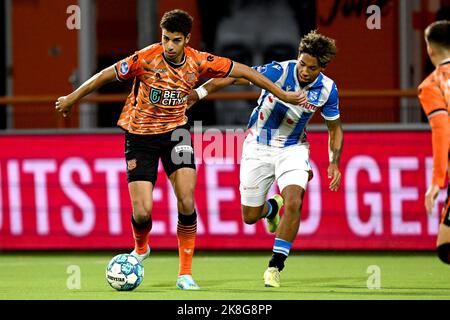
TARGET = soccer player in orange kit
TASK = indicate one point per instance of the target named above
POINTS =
(163, 75)
(434, 95)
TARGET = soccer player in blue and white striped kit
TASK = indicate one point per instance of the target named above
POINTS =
(276, 145)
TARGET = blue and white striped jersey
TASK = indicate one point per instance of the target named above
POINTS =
(279, 124)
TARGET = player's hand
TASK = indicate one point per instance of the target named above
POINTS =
(335, 175)
(63, 105)
(192, 98)
(430, 197)
(296, 98)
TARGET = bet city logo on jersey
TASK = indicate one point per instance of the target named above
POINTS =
(167, 97)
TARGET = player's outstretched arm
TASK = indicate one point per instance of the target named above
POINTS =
(211, 86)
(243, 71)
(335, 145)
(64, 104)
(244, 75)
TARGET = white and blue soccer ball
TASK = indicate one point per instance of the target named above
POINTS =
(124, 272)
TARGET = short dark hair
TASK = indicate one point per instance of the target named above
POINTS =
(438, 33)
(177, 21)
(320, 47)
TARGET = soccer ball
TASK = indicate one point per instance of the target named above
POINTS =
(124, 272)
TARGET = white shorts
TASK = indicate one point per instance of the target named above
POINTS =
(261, 164)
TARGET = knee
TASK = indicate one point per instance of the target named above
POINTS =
(292, 205)
(250, 215)
(443, 251)
(141, 211)
(185, 202)
(249, 219)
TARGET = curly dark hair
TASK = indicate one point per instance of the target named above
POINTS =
(177, 21)
(439, 33)
(320, 47)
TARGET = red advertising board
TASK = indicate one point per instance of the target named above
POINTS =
(70, 191)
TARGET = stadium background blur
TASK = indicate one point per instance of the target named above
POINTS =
(62, 181)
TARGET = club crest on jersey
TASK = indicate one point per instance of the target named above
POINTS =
(131, 164)
(313, 95)
(190, 78)
(124, 68)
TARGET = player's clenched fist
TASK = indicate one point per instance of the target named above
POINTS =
(63, 105)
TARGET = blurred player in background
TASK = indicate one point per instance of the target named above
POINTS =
(434, 95)
(276, 145)
(154, 119)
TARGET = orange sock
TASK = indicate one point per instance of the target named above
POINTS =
(140, 234)
(186, 245)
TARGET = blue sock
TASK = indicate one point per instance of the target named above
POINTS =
(282, 246)
(281, 250)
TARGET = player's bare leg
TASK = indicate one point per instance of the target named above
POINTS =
(285, 234)
(141, 221)
(270, 210)
(251, 215)
(443, 234)
(290, 221)
(443, 238)
(183, 181)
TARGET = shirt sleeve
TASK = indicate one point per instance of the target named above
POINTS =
(432, 100)
(330, 110)
(273, 71)
(214, 66)
(440, 133)
(434, 105)
(128, 68)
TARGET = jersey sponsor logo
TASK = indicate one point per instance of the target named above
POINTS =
(155, 95)
(124, 68)
(310, 107)
(131, 164)
(167, 97)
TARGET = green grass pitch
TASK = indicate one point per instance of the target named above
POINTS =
(231, 276)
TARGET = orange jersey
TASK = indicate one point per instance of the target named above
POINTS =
(158, 101)
(434, 95)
